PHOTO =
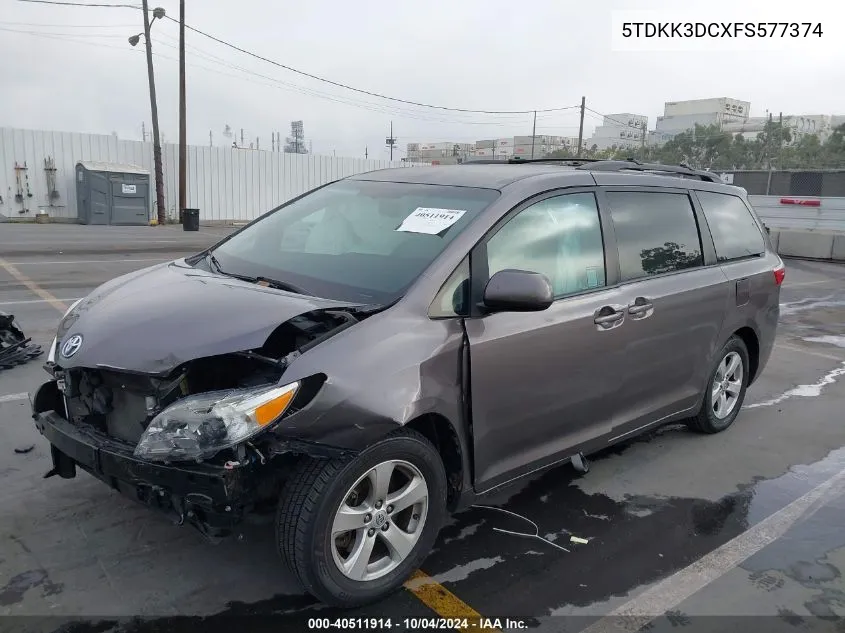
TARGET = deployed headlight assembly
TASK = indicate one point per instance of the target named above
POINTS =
(200, 426)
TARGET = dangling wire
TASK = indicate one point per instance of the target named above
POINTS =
(523, 534)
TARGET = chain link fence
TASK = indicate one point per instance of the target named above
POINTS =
(789, 182)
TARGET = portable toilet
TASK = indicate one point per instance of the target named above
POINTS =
(111, 193)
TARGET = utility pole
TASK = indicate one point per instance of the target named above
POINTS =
(366, 155)
(643, 140)
(533, 133)
(391, 141)
(159, 172)
(210, 139)
(143, 132)
(183, 126)
(242, 137)
(273, 142)
(780, 140)
(581, 127)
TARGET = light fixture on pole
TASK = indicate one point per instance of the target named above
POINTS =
(158, 13)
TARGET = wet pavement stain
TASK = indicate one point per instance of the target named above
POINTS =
(14, 590)
(625, 551)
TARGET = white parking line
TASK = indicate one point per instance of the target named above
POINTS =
(90, 261)
(14, 397)
(665, 595)
(25, 301)
(809, 283)
(809, 352)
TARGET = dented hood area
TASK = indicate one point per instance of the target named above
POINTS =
(153, 320)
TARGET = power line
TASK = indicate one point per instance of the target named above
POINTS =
(84, 4)
(360, 90)
(374, 107)
(29, 32)
(304, 73)
(71, 26)
(609, 118)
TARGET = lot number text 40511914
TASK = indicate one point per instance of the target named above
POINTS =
(415, 624)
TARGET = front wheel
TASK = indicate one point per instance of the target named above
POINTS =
(725, 389)
(354, 531)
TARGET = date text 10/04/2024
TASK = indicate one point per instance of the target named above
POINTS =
(416, 624)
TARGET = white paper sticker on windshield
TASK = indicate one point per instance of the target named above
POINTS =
(430, 221)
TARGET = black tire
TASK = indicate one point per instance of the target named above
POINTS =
(313, 494)
(706, 421)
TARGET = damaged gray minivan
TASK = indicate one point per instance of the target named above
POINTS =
(384, 349)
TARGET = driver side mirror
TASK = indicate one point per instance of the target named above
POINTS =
(518, 291)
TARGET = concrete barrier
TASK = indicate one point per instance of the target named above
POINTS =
(804, 226)
(838, 248)
(812, 245)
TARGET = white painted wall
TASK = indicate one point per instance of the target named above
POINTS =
(224, 183)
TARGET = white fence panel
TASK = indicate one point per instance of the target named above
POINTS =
(224, 183)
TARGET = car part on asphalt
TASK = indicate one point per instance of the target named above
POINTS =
(375, 353)
(580, 463)
(536, 534)
(15, 347)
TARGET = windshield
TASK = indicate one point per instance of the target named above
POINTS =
(359, 241)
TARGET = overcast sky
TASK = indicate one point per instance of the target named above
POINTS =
(80, 74)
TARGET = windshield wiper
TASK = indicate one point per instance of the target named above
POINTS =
(265, 281)
(211, 258)
(279, 285)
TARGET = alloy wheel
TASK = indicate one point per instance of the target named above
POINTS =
(727, 385)
(379, 521)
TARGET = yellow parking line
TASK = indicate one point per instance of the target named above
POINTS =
(34, 287)
(442, 601)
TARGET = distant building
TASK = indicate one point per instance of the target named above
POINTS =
(443, 153)
(679, 116)
(798, 125)
(622, 131)
(497, 148)
(543, 145)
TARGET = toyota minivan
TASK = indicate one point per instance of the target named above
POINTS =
(387, 348)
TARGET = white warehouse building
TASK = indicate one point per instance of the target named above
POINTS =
(623, 130)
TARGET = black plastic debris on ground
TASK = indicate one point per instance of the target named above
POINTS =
(15, 348)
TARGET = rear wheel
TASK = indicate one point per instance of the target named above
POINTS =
(725, 389)
(353, 531)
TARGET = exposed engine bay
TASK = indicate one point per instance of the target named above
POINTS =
(98, 418)
(121, 404)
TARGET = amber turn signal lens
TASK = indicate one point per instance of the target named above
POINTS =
(270, 411)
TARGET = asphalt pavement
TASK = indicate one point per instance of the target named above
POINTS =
(725, 532)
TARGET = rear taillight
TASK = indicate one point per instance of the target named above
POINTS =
(780, 273)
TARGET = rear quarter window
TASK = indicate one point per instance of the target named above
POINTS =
(735, 233)
(656, 233)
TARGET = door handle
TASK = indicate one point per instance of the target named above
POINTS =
(641, 308)
(608, 317)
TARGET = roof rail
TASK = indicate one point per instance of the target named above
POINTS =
(603, 164)
(634, 165)
(515, 160)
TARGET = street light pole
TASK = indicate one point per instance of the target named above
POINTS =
(183, 148)
(159, 172)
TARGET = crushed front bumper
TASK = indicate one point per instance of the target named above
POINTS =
(212, 498)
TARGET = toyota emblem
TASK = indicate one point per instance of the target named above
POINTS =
(72, 345)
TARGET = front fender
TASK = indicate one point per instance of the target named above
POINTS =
(381, 374)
